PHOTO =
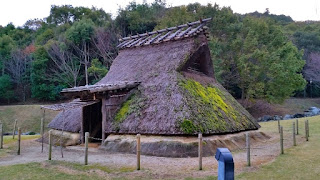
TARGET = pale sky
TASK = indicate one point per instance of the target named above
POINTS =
(19, 11)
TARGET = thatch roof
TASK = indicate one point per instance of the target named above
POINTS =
(164, 35)
(70, 120)
(178, 94)
(165, 105)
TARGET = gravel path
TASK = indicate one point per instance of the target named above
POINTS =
(155, 167)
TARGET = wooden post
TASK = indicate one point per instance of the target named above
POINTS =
(281, 139)
(41, 132)
(19, 140)
(200, 151)
(50, 145)
(1, 136)
(14, 128)
(306, 130)
(248, 148)
(138, 151)
(279, 126)
(294, 134)
(86, 139)
(104, 118)
(297, 122)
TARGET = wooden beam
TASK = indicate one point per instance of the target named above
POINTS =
(104, 119)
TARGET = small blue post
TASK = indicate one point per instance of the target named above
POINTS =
(225, 164)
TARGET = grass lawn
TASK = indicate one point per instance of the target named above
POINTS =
(58, 170)
(299, 162)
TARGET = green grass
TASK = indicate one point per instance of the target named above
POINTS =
(300, 162)
(9, 139)
(28, 117)
(58, 170)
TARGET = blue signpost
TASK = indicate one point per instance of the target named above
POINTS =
(225, 164)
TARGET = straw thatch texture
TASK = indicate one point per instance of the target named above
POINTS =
(70, 120)
(162, 106)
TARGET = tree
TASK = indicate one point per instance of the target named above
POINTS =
(6, 45)
(19, 69)
(104, 40)
(67, 66)
(80, 34)
(97, 70)
(6, 91)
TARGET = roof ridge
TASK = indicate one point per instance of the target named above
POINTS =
(163, 35)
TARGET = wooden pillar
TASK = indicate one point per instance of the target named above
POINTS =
(294, 134)
(19, 140)
(41, 132)
(200, 151)
(104, 118)
(86, 148)
(248, 148)
(281, 140)
(138, 151)
(50, 145)
(14, 128)
(1, 136)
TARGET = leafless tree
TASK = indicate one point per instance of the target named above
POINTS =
(18, 67)
(104, 41)
(67, 65)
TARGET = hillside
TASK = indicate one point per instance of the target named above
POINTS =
(28, 117)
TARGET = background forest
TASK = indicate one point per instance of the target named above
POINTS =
(255, 56)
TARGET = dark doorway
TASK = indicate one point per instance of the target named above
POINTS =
(92, 121)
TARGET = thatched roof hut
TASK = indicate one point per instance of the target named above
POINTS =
(175, 92)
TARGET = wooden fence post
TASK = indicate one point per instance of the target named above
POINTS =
(279, 126)
(294, 134)
(41, 132)
(200, 151)
(14, 129)
(19, 140)
(248, 148)
(297, 122)
(86, 140)
(138, 151)
(308, 128)
(50, 145)
(281, 139)
(1, 136)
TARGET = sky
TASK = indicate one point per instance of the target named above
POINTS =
(19, 11)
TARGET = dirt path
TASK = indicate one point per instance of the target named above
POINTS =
(153, 167)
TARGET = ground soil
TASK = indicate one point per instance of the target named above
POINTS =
(153, 167)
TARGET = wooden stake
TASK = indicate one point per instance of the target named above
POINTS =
(279, 126)
(294, 134)
(138, 151)
(1, 136)
(281, 139)
(14, 129)
(50, 145)
(200, 151)
(86, 139)
(248, 148)
(297, 122)
(41, 132)
(306, 130)
(19, 140)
